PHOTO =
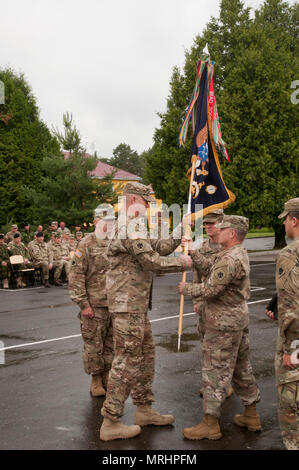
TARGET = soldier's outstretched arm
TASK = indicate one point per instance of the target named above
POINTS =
(166, 246)
(150, 260)
(202, 263)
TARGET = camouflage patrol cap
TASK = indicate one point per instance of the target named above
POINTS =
(14, 226)
(214, 216)
(53, 224)
(56, 234)
(77, 233)
(140, 190)
(290, 206)
(234, 221)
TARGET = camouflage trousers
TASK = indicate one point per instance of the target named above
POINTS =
(58, 267)
(133, 366)
(4, 271)
(288, 414)
(226, 360)
(98, 341)
(44, 265)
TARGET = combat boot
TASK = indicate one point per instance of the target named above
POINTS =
(249, 419)
(46, 283)
(96, 387)
(111, 430)
(57, 283)
(208, 429)
(145, 415)
(5, 284)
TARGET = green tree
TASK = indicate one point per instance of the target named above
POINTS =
(256, 62)
(125, 158)
(24, 138)
(68, 191)
(259, 118)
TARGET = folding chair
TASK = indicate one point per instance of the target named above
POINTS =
(16, 260)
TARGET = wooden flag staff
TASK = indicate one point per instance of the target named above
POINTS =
(187, 233)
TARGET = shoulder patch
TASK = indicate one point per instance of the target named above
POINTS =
(141, 246)
(78, 253)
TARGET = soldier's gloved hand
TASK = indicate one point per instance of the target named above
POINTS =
(88, 312)
(187, 260)
(195, 308)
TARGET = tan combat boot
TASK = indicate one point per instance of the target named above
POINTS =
(145, 415)
(5, 284)
(111, 430)
(249, 419)
(208, 429)
(96, 387)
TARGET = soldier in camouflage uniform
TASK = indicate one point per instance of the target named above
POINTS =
(226, 339)
(16, 247)
(78, 238)
(61, 258)
(9, 235)
(41, 256)
(202, 260)
(87, 287)
(4, 262)
(129, 280)
(286, 365)
(26, 234)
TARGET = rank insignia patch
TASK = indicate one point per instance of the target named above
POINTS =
(220, 275)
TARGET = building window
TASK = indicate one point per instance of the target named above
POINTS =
(153, 219)
(153, 205)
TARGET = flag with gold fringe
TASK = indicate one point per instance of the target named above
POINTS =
(208, 187)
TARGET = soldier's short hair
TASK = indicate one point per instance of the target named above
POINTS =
(240, 234)
(294, 214)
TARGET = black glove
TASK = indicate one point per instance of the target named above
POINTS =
(272, 306)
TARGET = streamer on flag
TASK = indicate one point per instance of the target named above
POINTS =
(208, 187)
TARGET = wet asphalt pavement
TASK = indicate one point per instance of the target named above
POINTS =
(45, 400)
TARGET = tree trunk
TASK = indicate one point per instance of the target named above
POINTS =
(280, 241)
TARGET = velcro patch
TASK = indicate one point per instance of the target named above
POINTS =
(141, 246)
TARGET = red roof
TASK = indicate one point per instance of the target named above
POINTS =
(102, 169)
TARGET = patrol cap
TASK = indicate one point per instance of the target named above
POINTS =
(16, 235)
(56, 234)
(14, 226)
(1, 235)
(214, 216)
(39, 234)
(53, 224)
(140, 190)
(234, 221)
(290, 206)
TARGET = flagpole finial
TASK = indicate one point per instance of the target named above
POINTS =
(206, 50)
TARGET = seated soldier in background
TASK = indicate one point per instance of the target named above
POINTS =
(16, 247)
(9, 235)
(62, 228)
(61, 257)
(41, 256)
(4, 262)
(26, 234)
(78, 238)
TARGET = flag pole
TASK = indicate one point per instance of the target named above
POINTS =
(187, 232)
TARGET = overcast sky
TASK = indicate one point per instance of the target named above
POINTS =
(109, 63)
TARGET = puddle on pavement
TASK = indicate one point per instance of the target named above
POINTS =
(171, 342)
(36, 354)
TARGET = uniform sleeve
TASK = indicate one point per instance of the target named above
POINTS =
(287, 282)
(50, 255)
(203, 264)
(166, 246)
(150, 260)
(77, 276)
(220, 277)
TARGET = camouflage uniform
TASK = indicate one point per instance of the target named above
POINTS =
(9, 236)
(287, 380)
(27, 236)
(59, 251)
(87, 286)
(21, 250)
(226, 339)
(129, 282)
(41, 257)
(203, 260)
(4, 256)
